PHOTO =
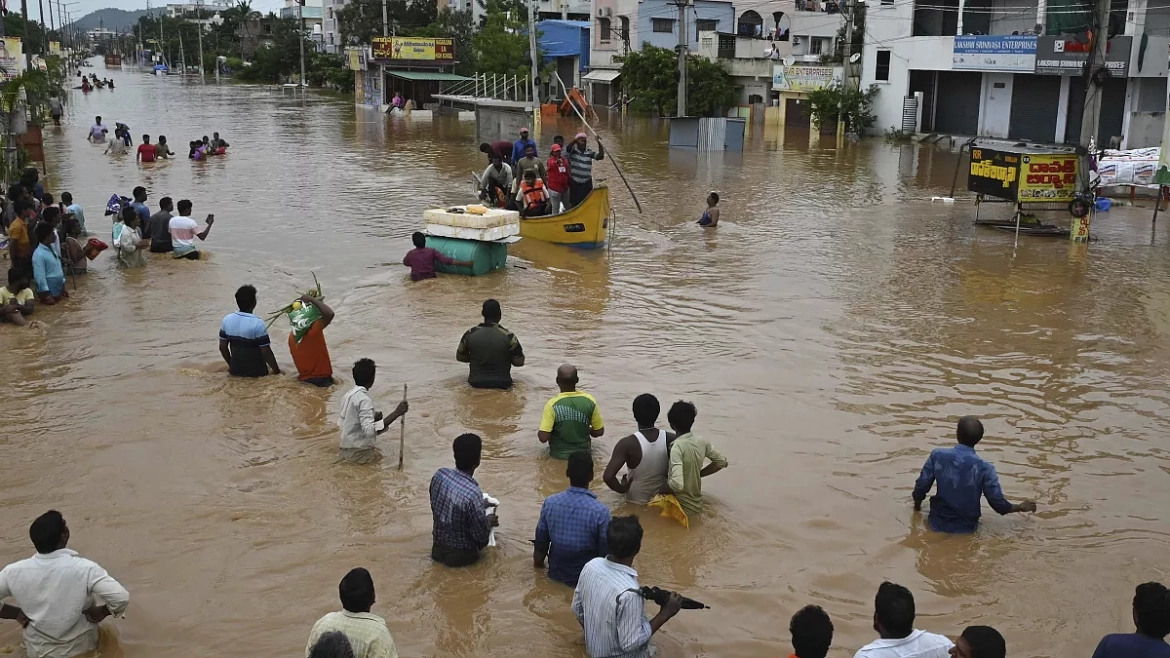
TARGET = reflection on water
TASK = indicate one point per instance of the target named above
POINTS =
(830, 332)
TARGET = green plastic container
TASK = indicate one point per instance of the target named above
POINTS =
(487, 256)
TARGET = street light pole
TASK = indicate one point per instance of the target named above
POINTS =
(301, 38)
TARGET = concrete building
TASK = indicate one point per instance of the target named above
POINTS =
(331, 35)
(997, 68)
(566, 10)
(313, 16)
(191, 9)
(620, 26)
(564, 44)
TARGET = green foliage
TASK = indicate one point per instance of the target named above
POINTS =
(460, 27)
(330, 71)
(359, 21)
(826, 104)
(650, 76)
(501, 45)
(837, 55)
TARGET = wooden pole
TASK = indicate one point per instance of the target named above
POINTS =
(1158, 202)
(401, 431)
(598, 138)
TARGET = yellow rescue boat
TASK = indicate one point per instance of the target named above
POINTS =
(585, 226)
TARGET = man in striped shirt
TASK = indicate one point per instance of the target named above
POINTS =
(608, 603)
(243, 339)
(581, 167)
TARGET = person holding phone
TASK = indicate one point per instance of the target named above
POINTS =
(184, 230)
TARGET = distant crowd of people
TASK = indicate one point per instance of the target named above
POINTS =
(198, 149)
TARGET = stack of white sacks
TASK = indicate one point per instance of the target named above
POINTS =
(488, 226)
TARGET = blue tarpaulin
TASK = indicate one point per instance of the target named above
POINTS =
(564, 39)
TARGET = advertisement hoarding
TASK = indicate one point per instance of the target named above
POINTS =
(414, 49)
(805, 78)
(994, 53)
(11, 58)
(1048, 177)
(1066, 55)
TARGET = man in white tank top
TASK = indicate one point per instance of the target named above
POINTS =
(644, 453)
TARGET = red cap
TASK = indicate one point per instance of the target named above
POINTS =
(556, 147)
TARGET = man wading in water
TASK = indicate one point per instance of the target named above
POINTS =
(644, 453)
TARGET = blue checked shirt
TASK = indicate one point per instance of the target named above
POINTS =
(458, 511)
(963, 477)
(574, 525)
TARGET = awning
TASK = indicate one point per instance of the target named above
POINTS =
(427, 75)
(601, 75)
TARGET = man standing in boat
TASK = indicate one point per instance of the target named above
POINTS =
(520, 147)
(558, 179)
(581, 168)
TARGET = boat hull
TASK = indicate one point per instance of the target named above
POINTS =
(585, 226)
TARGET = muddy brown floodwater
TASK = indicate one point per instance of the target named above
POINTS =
(830, 331)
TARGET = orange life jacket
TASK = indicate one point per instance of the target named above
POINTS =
(534, 195)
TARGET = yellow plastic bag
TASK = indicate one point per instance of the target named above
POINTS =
(670, 508)
(476, 210)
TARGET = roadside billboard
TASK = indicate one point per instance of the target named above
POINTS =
(1066, 55)
(11, 58)
(994, 173)
(1048, 177)
(414, 49)
(805, 78)
(994, 53)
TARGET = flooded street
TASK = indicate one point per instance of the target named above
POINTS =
(830, 332)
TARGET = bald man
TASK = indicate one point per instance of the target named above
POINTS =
(571, 420)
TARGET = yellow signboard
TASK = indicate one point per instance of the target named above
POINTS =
(1048, 177)
(54, 47)
(414, 48)
(11, 58)
(356, 58)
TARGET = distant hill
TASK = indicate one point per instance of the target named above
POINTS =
(111, 19)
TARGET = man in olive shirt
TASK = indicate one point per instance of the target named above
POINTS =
(571, 420)
(687, 454)
(490, 350)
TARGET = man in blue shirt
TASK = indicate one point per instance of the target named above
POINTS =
(519, 145)
(573, 525)
(1151, 615)
(139, 206)
(243, 339)
(462, 527)
(962, 478)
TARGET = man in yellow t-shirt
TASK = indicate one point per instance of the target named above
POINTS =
(14, 306)
(571, 420)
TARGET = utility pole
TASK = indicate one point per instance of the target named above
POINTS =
(301, 38)
(1091, 116)
(385, 20)
(535, 77)
(683, 43)
(182, 54)
(27, 46)
(847, 52)
(199, 25)
(44, 35)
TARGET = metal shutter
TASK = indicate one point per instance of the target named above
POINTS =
(958, 103)
(1112, 110)
(1035, 101)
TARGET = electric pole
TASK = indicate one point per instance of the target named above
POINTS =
(385, 20)
(847, 54)
(301, 38)
(683, 43)
(199, 25)
(27, 46)
(535, 78)
(1091, 116)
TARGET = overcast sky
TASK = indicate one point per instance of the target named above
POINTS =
(84, 7)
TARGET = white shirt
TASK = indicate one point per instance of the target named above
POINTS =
(53, 589)
(613, 616)
(183, 231)
(357, 420)
(95, 132)
(918, 644)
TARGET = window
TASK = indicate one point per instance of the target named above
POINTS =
(816, 46)
(662, 25)
(882, 71)
(604, 28)
(625, 28)
(706, 26)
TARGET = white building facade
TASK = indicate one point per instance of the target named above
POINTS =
(987, 68)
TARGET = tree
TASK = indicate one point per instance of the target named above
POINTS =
(501, 45)
(837, 56)
(857, 106)
(459, 26)
(650, 75)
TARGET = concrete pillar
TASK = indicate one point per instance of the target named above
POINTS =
(1135, 18)
(959, 27)
(1042, 14)
(1062, 109)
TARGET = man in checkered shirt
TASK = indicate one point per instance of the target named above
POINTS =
(573, 525)
(461, 526)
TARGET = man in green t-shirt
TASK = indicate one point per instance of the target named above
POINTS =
(571, 420)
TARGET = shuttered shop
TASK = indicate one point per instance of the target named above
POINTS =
(957, 103)
(1112, 109)
(1035, 103)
